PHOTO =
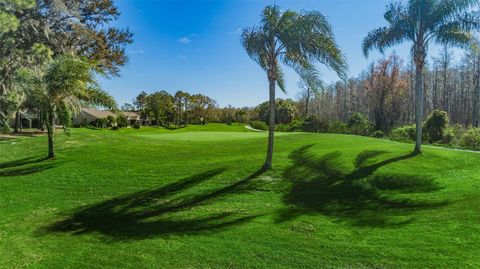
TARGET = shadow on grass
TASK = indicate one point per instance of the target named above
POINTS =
(21, 162)
(360, 197)
(26, 166)
(168, 210)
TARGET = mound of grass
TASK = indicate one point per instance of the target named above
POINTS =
(194, 198)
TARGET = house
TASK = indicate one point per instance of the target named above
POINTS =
(89, 115)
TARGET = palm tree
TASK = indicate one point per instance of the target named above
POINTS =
(298, 40)
(312, 84)
(66, 84)
(422, 22)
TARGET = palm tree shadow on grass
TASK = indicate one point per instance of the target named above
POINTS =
(168, 210)
(26, 166)
(360, 197)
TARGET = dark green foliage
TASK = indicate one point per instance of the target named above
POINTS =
(403, 134)
(285, 111)
(100, 123)
(435, 125)
(122, 121)
(111, 121)
(316, 125)
(259, 125)
(338, 127)
(378, 134)
(136, 125)
(359, 124)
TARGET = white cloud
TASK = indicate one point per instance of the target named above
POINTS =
(184, 40)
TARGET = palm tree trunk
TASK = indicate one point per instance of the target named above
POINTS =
(50, 130)
(271, 125)
(307, 101)
(418, 106)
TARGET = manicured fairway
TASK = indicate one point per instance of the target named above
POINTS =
(191, 198)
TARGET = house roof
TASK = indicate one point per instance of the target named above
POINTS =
(131, 115)
(99, 114)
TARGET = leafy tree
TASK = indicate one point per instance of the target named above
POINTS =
(298, 40)
(160, 106)
(422, 22)
(178, 104)
(285, 111)
(79, 27)
(66, 84)
(200, 106)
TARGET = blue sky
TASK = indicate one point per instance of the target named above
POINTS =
(194, 46)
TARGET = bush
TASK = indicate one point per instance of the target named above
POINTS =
(449, 137)
(471, 139)
(122, 121)
(136, 125)
(260, 125)
(378, 134)
(404, 133)
(315, 124)
(111, 121)
(337, 127)
(100, 123)
(5, 129)
(282, 127)
(115, 127)
(435, 126)
(359, 124)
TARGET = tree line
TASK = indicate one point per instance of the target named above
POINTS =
(385, 92)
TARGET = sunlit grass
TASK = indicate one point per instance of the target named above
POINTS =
(191, 198)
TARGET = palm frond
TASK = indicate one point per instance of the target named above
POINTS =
(255, 43)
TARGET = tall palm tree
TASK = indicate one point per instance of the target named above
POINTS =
(66, 84)
(298, 40)
(422, 22)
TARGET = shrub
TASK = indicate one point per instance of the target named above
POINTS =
(471, 139)
(282, 128)
(296, 125)
(100, 123)
(5, 129)
(115, 127)
(359, 124)
(435, 126)
(122, 121)
(449, 137)
(260, 125)
(337, 127)
(314, 124)
(111, 121)
(458, 130)
(378, 134)
(136, 125)
(404, 133)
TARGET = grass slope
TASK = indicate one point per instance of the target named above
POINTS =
(191, 198)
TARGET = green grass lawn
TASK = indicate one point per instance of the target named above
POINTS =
(191, 198)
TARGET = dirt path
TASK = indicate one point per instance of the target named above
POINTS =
(253, 129)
